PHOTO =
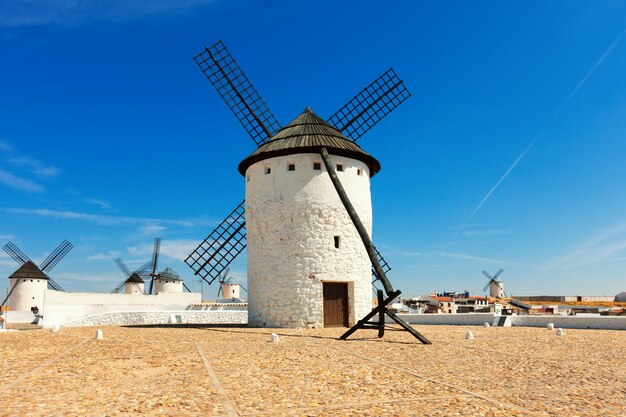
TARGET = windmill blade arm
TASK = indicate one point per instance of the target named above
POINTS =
(52, 285)
(486, 286)
(383, 264)
(487, 275)
(123, 267)
(118, 287)
(144, 268)
(15, 253)
(370, 105)
(155, 255)
(220, 247)
(498, 273)
(221, 69)
(186, 287)
(56, 256)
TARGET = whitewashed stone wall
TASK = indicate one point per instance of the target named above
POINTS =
(291, 220)
(131, 318)
(29, 293)
(61, 307)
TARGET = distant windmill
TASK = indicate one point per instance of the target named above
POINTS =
(134, 281)
(496, 286)
(33, 279)
(135, 277)
(227, 288)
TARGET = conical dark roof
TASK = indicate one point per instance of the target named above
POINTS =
(308, 133)
(29, 271)
(168, 273)
(135, 278)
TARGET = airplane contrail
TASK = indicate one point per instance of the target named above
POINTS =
(554, 116)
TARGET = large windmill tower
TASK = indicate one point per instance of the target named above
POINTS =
(307, 216)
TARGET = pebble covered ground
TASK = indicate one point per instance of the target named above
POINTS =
(237, 371)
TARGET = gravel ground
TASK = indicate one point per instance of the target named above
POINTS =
(236, 371)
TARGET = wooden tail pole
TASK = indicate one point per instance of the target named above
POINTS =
(381, 308)
(369, 246)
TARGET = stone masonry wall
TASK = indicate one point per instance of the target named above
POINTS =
(291, 220)
(129, 318)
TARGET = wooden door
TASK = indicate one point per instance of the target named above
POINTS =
(335, 304)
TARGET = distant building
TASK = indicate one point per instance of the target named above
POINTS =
(564, 298)
(471, 304)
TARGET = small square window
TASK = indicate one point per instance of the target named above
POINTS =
(317, 166)
(291, 167)
(268, 170)
(359, 171)
(339, 167)
(337, 239)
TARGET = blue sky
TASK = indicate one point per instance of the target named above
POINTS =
(110, 135)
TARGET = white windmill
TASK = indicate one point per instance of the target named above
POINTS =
(307, 216)
(495, 285)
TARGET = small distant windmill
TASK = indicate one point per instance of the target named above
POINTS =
(146, 270)
(227, 288)
(135, 279)
(32, 279)
(496, 286)
(223, 279)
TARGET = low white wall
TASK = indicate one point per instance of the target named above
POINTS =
(61, 307)
(572, 322)
(478, 319)
(19, 316)
(129, 318)
(465, 319)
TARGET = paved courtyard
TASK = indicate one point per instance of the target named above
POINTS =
(236, 371)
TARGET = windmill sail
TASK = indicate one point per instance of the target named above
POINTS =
(383, 264)
(220, 247)
(219, 66)
(370, 105)
(56, 256)
(15, 253)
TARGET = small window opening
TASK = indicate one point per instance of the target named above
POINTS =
(31, 280)
(317, 166)
(291, 167)
(339, 167)
(268, 170)
(337, 239)
(359, 172)
(33, 298)
(248, 178)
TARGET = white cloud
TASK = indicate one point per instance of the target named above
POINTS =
(4, 146)
(99, 202)
(452, 255)
(22, 184)
(98, 218)
(601, 247)
(7, 237)
(173, 249)
(35, 166)
(79, 277)
(482, 233)
(104, 256)
(152, 229)
(16, 13)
